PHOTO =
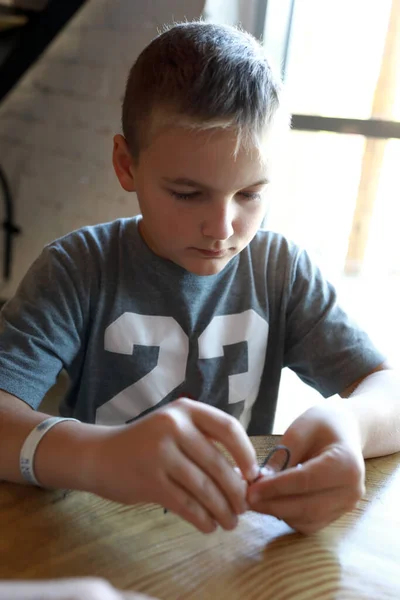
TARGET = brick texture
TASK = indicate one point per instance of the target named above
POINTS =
(56, 126)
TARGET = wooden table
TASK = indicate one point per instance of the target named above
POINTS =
(51, 534)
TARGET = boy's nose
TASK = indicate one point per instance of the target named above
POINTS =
(218, 223)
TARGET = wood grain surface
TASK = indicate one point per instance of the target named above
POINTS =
(45, 534)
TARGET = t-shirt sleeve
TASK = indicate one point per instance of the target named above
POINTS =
(323, 344)
(42, 326)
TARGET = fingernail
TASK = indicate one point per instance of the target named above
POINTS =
(233, 523)
(267, 472)
(254, 473)
(242, 508)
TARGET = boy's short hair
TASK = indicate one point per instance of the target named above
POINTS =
(200, 75)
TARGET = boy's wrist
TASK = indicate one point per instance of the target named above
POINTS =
(331, 423)
(31, 443)
(66, 457)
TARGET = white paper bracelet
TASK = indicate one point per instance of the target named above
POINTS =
(27, 455)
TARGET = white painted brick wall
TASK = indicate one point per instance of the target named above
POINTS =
(56, 126)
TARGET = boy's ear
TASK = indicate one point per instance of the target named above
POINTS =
(123, 163)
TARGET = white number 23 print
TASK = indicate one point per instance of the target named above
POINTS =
(131, 329)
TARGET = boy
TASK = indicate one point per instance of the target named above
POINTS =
(174, 326)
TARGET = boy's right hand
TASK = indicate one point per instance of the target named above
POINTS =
(169, 458)
(79, 588)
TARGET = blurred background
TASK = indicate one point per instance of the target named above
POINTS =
(63, 67)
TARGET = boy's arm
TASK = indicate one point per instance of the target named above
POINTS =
(375, 402)
(329, 442)
(167, 457)
(58, 453)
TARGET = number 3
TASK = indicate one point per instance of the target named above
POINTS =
(131, 329)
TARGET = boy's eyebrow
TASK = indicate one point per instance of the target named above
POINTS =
(192, 183)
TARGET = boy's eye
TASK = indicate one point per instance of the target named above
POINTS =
(251, 195)
(191, 195)
(183, 195)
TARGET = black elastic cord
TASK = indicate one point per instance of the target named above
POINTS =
(9, 227)
(274, 451)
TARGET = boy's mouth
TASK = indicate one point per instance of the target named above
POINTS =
(211, 253)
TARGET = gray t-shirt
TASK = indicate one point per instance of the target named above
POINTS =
(135, 331)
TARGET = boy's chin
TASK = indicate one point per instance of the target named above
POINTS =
(205, 267)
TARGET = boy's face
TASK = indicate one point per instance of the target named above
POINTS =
(201, 204)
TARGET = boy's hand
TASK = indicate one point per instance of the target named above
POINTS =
(169, 457)
(79, 588)
(325, 477)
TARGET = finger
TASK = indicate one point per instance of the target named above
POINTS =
(309, 527)
(329, 470)
(179, 501)
(136, 596)
(229, 432)
(316, 508)
(201, 487)
(211, 461)
(263, 471)
(92, 588)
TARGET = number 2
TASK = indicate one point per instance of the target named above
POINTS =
(132, 329)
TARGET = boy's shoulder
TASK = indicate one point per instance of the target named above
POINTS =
(281, 258)
(274, 245)
(98, 237)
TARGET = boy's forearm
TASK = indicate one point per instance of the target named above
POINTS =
(64, 457)
(376, 406)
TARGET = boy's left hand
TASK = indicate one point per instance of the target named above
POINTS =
(325, 478)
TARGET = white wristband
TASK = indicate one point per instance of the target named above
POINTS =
(27, 455)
